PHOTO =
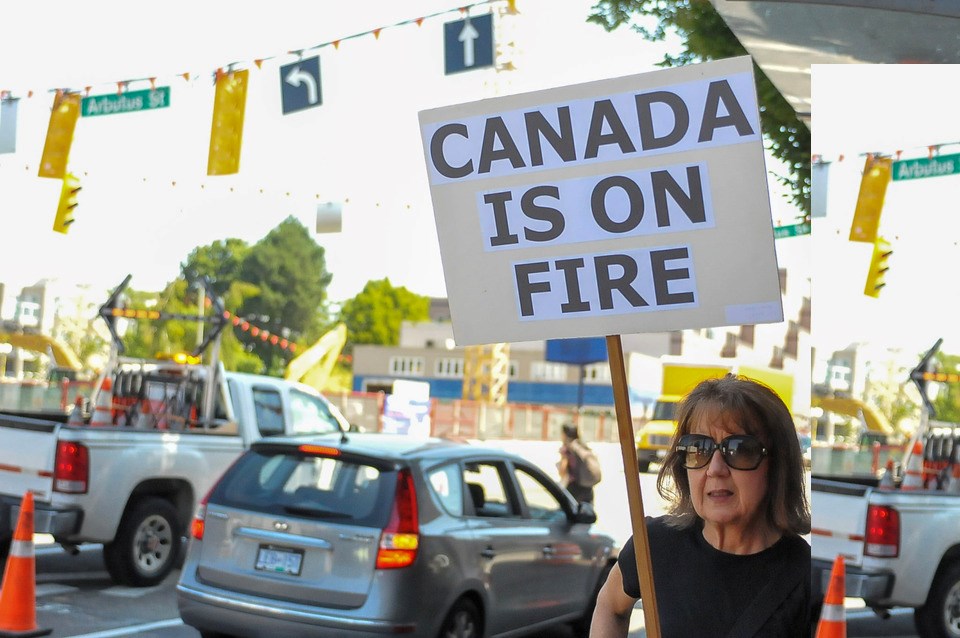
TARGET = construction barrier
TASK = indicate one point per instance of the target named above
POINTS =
(833, 615)
(18, 593)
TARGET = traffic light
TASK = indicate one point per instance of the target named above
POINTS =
(56, 147)
(68, 201)
(878, 267)
(226, 132)
(873, 189)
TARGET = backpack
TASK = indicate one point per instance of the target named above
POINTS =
(588, 473)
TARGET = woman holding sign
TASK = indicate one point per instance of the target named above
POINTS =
(728, 560)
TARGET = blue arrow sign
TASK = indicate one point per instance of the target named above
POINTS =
(468, 44)
(300, 85)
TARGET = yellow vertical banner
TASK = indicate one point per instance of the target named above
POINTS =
(56, 148)
(873, 188)
(226, 132)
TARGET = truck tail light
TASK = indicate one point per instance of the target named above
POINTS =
(883, 532)
(71, 474)
(401, 537)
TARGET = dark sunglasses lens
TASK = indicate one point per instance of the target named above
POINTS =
(699, 449)
(743, 452)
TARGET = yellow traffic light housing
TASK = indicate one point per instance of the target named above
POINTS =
(56, 146)
(226, 132)
(68, 201)
(878, 267)
(873, 189)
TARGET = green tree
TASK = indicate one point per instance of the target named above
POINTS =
(375, 314)
(221, 262)
(947, 402)
(288, 269)
(707, 37)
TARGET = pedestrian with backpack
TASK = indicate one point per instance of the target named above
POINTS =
(578, 466)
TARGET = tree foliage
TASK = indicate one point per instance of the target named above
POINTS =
(707, 37)
(947, 402)
(278, 284)
(375, 314)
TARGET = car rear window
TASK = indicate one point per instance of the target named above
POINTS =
(307, 486)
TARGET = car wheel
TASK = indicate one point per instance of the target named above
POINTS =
(581, 626)
(939, 617)
(643, 466)
(146, 546)
(463, 621)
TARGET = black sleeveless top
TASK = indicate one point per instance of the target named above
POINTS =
(702, 591)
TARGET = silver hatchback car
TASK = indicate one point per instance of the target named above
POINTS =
(372, 534)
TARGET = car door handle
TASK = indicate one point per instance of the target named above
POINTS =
(488, 552)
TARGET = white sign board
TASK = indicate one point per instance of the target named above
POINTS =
(635, 204)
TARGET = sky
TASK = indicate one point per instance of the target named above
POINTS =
(860, 109)
(146, 200)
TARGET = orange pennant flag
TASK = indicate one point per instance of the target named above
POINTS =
(419, 22)
(376, 33)
(258, 63)
(336, 44)
(185, 76)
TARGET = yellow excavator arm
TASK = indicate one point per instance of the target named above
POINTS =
(61, 353)
(872, 418)
(314, 365)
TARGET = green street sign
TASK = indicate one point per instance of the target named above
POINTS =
(126, 102)
(924, 167)
(795, 230)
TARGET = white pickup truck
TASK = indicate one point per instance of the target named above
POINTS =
(133, 480)
(901, 549)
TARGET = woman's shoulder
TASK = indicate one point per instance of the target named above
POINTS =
(795, 545)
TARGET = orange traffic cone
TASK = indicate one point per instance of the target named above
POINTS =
(18, 611)
(102, 413)
(76, 415)
(886, 481)
(833, 616)
(913, 475)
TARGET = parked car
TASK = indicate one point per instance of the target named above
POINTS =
(376, 534)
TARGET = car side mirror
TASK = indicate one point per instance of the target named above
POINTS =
(585, 514)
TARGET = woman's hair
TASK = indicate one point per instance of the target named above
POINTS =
(760, 412)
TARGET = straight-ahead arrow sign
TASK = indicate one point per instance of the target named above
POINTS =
(468, 35)
(468, 44)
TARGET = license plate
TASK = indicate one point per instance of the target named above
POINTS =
(279, 560)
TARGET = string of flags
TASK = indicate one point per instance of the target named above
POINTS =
(226, 133)
(262, 333)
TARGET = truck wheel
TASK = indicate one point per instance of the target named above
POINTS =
(643, 466)
(146, 546)
(939, 617)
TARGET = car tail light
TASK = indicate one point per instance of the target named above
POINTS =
(883, 532)
(197, 525)
(71, 473)
(401, 537)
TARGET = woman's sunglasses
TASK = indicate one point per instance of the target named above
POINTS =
(740, 451)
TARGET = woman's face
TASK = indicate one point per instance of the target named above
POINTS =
(723, 496)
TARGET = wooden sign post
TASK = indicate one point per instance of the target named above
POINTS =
(628, 449)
